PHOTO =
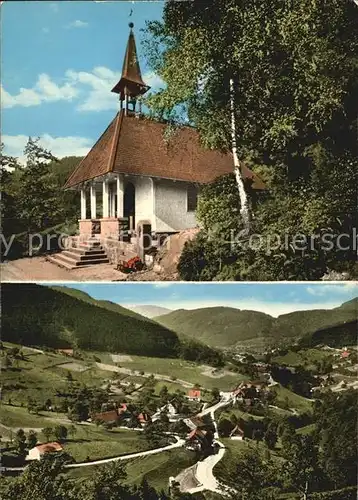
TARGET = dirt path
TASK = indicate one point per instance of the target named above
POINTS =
(39, 269)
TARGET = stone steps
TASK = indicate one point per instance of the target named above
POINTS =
(85, 255)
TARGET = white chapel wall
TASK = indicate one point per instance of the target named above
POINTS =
(144, 197)
(170, 210)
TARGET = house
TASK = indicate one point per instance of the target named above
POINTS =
(123, 408)
(40, 450)
(109, 417)
(67, 352)
(196, 440)
(237, 433)
(143, 419)
(345, 353)
(145, 181)
(194, 395)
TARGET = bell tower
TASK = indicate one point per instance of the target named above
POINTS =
(131, 85)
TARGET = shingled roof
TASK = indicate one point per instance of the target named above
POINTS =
(136, 146)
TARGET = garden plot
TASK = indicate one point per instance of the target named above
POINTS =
(75, 367)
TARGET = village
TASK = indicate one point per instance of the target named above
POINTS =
(203, 422)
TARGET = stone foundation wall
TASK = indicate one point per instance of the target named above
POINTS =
(85, 227)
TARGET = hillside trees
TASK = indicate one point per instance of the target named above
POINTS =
(294, 65)
(55, 319)
(337, 419)
(33, 199)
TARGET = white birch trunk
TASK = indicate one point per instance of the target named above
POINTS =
(244, 202)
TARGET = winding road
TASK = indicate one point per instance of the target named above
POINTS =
(204, 469)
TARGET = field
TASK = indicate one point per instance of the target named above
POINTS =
(15, 416)
(155, 468)
(304, 357)
(101, 444)
(39, 373)
(293, 400)
(178, 369)
(158, 468)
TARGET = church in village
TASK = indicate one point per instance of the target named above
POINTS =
(133, 179)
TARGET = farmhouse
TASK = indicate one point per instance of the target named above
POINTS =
(140, 180)
(194, 395)
(196, 440)
(38, 451)
(143, 419)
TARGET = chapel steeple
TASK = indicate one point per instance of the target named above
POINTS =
(131, 85)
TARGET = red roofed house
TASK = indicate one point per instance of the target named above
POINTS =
(345, 353)
(38, 451)
(111, 416)
(194, 395)
(145, 183)
(196, 439)
(143, 419)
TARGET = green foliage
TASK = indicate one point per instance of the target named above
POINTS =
(294, 65)
(45, 480)
(54, 319)
(337, 419)
(33, 199)
(286, 97)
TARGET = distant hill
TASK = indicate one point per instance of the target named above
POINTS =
(63, 317)
(227, 327)
(148, 310)
(218, 326)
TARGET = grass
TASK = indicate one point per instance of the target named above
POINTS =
(183, 370)
(157, 469)
(304, 357)
(104, 444)
(39, 374)
(293, 400)
(235, 448)
(307, 429)
(14, 416)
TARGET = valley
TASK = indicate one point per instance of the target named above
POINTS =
(181, 417)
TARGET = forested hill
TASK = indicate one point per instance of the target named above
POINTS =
(105, 304)
(228, 327)
(218, 326)
(40, 315)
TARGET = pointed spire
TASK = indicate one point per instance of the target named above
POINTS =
(131, 84)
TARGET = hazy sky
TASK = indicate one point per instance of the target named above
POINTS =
(60, 61)
(271, 298)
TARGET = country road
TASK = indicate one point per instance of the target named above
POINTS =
(204, 469)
